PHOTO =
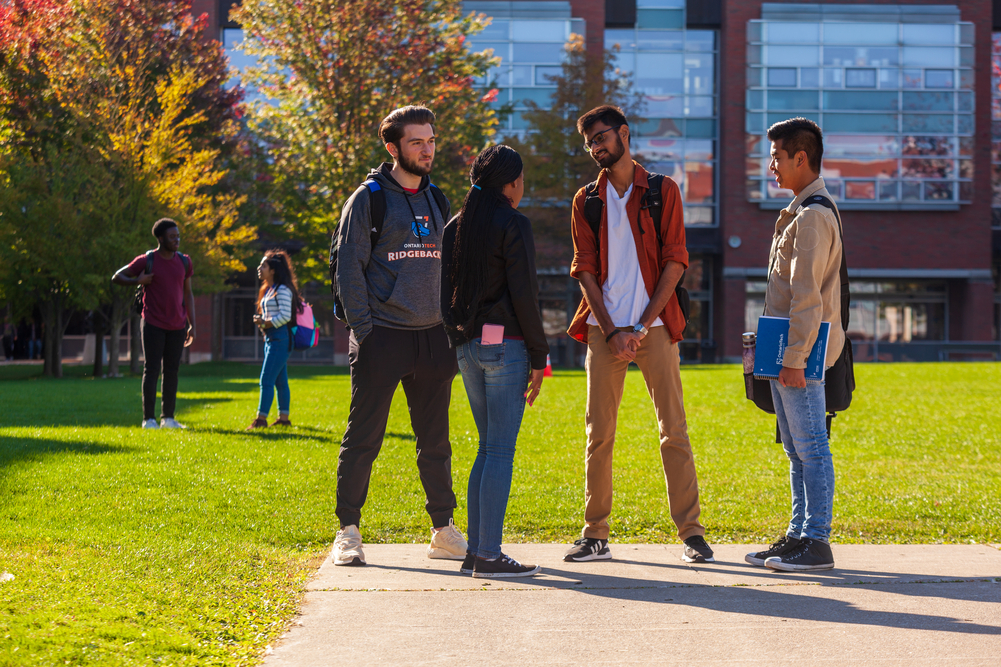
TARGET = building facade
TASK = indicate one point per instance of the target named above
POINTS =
(908, 98)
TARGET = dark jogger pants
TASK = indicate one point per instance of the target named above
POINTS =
(162, 350)
(424, 363)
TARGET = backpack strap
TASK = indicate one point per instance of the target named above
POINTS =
(846, 297)
(186, 261)
(593, 207)
(377, 208)
(653, 201)
(150, 254)
(441, 201)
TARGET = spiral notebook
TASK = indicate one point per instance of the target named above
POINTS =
(773, 336)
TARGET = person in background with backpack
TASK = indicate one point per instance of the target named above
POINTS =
(629, 272)
(387, 273)
(804, 284)
(168, 317)
(277, 302)
(490, 305)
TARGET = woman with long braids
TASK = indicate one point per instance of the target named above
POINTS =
(489, 303)
(277, 300)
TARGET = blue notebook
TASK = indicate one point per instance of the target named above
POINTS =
(773, 336)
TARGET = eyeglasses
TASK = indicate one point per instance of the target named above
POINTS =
(597, 139)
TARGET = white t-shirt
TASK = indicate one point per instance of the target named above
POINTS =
(624, 291)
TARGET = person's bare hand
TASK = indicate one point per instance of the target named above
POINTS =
(534, 385)
(144, 279)
(190, 337)
(624, 345)
(792, 377)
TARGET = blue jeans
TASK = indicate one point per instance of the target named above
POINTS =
(802, 421)
(496, 377)
(274, 372)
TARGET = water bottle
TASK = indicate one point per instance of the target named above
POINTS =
(750, 340)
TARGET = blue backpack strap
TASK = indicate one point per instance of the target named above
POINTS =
(377, 208)
(444, 207)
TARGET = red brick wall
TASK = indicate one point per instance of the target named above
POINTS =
(593, 12)
(873, 239)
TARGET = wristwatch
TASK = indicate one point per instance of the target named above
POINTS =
(641, 330)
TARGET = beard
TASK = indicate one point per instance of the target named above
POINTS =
(612, 154)
(415, 168)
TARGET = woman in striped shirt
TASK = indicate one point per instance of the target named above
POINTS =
(277, 300)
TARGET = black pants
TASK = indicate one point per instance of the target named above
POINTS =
(423, 361)
(162, 348)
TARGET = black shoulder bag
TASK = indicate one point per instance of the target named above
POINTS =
(839, 380)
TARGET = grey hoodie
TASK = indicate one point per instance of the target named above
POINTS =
(394, 284)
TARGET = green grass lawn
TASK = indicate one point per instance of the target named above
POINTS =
(136, 547)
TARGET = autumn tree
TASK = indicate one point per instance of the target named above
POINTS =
(112, 114)
(330, 71)
(556, 164)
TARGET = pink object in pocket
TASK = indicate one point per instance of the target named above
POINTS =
(493, 334)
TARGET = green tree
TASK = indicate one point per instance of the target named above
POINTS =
(556, 164)
(332, 69)
(112, 114)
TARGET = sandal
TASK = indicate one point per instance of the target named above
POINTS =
(260, 422)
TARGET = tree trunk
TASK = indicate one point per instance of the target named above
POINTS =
(119, 316)
(97, 318)
(52, 311)
(136, 347)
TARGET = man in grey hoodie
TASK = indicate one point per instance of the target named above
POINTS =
(389, 290)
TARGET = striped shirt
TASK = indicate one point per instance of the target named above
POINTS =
(276, 306)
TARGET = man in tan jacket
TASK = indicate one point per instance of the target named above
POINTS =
(804, 285)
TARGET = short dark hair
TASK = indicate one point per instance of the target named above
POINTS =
(391, 128)
(800, 134)
(161, 226)
(608, 114)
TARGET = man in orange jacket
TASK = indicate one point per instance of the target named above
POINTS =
(630, 313)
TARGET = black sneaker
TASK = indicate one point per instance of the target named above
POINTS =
(780, 547)
(809, 555)
(697, 551)
(505, 566)
(467, 563)
(587, 548)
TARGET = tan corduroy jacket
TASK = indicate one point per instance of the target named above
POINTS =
(804, 282)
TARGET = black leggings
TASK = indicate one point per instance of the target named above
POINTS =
(162, 348)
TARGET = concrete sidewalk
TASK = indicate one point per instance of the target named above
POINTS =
(886, 604)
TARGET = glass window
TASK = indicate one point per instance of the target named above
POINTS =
(660, 18)
(833, 78)
(845, 122)
(861, 101)
(699, 107)
(782, 77)
(700, 40)
(859, 168)
(544, 74)
(521, 75)
(540, 96)
(661, 40)
(939, 78)
(792, 33)
(538, 53)
(792, 56)
(755, 99)
(539, 31)
(857, 56)
(911, 78)
(860, 78)
(793, 99)
(496, 30)
(860, 33)
(928, 123)
(809, 77)
(700, 127)
(699, 74)
(624, 39)
(929, 33)
(928, 101)
(929, 56)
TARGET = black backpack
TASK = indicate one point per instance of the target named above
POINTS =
(377, 208)
(137, 301)
(653, 201)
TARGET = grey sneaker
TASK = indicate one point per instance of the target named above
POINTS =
(448, 543)
(780, 547)
(587, 548)
(809, 555)
(697, 550)
(150, 423)
(170, 422)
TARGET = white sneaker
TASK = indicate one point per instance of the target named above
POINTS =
(170, 422)
(347, 547)
(448, 543)
(150, 423)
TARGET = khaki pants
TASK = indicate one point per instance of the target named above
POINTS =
(659, 362)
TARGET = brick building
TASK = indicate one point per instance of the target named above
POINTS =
(906, 95)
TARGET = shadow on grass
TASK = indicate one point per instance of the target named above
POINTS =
(17, 450)
(272, 434)
(765, 600)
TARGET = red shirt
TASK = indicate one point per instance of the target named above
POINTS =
(163, 305)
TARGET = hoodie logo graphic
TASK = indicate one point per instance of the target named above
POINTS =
(420, 229)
